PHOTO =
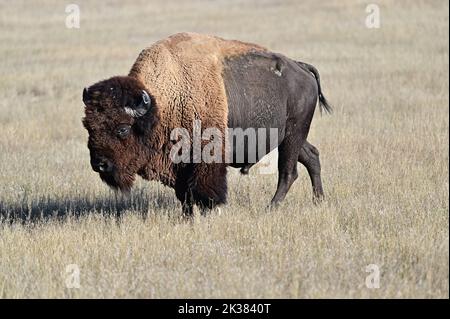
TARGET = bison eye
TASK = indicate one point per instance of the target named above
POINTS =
(122, 131)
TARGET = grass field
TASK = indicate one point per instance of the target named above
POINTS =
(384, 156)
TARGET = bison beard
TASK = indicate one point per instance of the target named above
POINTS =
(118, 180)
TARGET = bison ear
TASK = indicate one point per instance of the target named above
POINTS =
(85, 95)
(141, 107)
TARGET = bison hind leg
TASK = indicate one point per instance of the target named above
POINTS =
(309, 157)
(244, 170)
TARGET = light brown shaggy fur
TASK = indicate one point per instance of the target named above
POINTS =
(184, 75)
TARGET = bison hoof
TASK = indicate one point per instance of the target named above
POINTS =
(245, 170)
(318, 199)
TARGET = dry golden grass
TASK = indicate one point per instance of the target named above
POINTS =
(384, 155)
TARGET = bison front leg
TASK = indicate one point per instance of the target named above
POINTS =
(204, 185)
(186, 198)
(210, 187)
(183, 190)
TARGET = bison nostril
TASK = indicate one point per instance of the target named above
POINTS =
(102, 166)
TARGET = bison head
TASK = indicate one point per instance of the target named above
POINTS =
(120, 112)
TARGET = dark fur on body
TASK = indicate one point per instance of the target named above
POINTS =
(269, 90)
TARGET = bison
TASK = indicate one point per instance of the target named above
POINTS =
(224, 84)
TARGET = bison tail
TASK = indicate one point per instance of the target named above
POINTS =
(323, 103)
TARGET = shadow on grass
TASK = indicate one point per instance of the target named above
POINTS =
(45, 208)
